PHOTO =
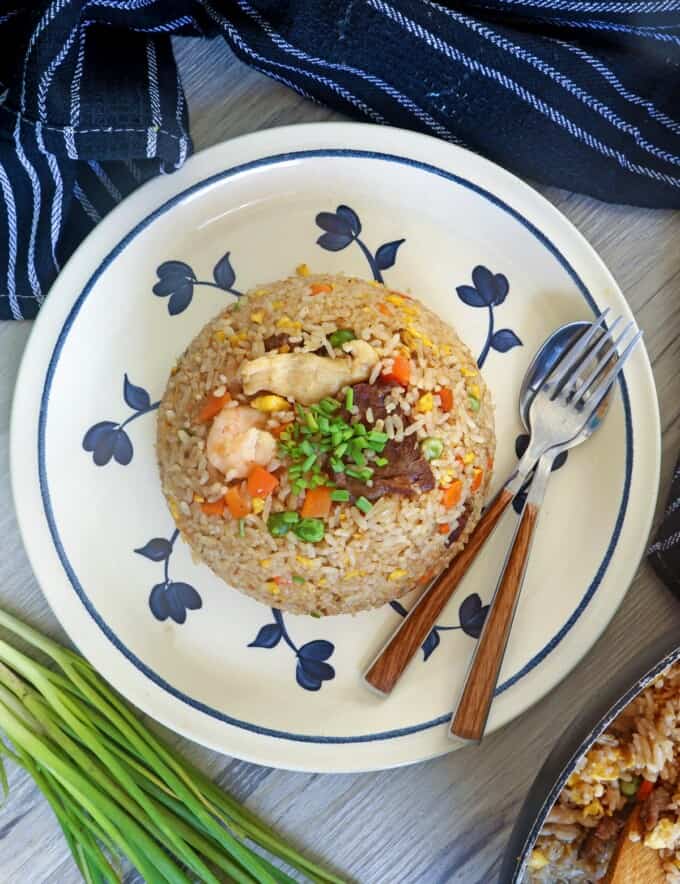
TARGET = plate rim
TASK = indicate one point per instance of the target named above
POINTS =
(181, 193)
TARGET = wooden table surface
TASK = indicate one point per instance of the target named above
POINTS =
(445, 820)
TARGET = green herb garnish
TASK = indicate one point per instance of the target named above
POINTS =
(364, 505)
(340, 337)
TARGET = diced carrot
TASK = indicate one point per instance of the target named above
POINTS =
(317, 503)
(427, 576)
(211, 406)
(276, 431)
(400, 371)
(236, 504)
(477, 476)
(281, 581)
(261, 482)
(319, 287)
(445, 528)
(452, 494)
(216, 508)
(446, 398)
(384, 309)
(489, 462)
(645, 790)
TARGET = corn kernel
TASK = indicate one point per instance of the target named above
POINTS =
(198, 498)
(376, 285)
(397, 574)
(468, 458)
(468, 372)
(446, 349)
(447, 476)
(172, 503)
(257, 316)
(260, 292)
(350, 575)
(593, 809)
(425, 403)
(409, 311)
(302, 270)
(304, 561)
(287, 322)
(258, 505)
(394, 299)
(473, 390)
(272, 587)
(265, 563)
(537, 860)
(277, 305)
(322, 581)
(270, 403)
(219, 336)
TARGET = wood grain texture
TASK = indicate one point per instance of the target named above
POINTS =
(390, 664)
(446, 820)
(472, 711)
(632, 862)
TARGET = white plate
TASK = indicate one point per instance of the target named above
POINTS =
(257, 198)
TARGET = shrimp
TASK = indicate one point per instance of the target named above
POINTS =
(236, 442)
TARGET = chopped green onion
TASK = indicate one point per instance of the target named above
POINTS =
(336, 438)
(324, 425)
(337, 466)
(365, 473)
(359, 429)
(364, 505)
(340, 449)
(376, 436)
(431, 448)
(349, 398)
(311, 421)
(340, 337)
(297, 579)
(310, 530)
(340, 495)
(358, 457)
(290, 517)
(329, 405)
(381, 461)
(307, 465)
(241, 527)
(306, 447)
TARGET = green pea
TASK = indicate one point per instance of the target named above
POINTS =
(310, 530)
(277, 525)
(341, 336)
(431, 447)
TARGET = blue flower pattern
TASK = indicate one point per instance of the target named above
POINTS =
(471, 616)
(489, 290)
(108, 440)
(171, 598)
(342, 228)
(311, 670)
(177, 280)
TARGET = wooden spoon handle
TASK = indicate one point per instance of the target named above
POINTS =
(384, 672)
(470, 717)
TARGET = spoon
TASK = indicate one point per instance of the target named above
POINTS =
(394, 657)
(632, 862)
(593, 377)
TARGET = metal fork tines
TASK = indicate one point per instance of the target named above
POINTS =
(580, 381)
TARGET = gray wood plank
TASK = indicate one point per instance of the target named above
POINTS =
(442, 821)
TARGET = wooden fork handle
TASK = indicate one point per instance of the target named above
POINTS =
(384, 672)
(469, 719)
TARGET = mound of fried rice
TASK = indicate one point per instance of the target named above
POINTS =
(367, 556)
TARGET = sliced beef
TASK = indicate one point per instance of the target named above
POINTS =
(407, 473)
(372, 396)
(460, 527)
(652, 806)
(275, 342)
(595, 847)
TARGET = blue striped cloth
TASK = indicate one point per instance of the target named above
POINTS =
(584, 94)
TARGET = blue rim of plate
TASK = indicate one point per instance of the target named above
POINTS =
(273, 160)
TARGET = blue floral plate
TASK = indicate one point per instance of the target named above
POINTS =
(483, 250)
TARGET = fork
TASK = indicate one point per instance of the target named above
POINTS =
(393, 658)
(563, 414)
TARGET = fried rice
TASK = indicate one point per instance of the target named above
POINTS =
(389, 515)
(636, 760)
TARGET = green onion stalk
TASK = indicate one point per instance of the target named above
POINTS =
(116, 789)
